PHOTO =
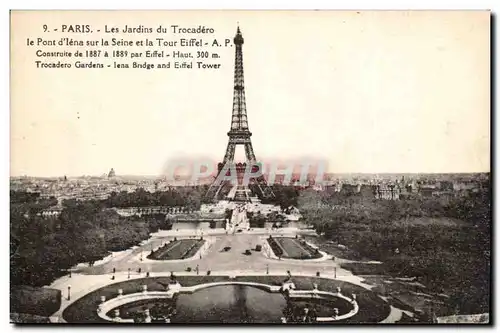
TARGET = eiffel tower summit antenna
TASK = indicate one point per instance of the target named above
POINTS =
(239, 133)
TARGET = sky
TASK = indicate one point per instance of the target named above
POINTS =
(369, 92)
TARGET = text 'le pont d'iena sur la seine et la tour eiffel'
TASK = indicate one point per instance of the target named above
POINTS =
(187, 48)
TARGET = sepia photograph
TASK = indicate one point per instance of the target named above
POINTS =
(250, 167)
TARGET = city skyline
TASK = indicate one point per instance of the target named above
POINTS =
(343, 175)
(369, 92)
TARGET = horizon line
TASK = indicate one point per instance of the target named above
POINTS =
(104, 175)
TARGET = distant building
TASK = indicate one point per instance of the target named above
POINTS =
(51, 212)
(111, 173)
(387, 192)
(426, 191)
(333, 187)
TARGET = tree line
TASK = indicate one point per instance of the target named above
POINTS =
(444, 242)
(42, 249)
(189, 197)
(284, 196)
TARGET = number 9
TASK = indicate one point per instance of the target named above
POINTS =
(44, 28)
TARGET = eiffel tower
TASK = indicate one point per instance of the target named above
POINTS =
(239, 134)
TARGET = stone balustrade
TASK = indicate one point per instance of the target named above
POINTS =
(327, 294)
(144, 294)
(113, 303)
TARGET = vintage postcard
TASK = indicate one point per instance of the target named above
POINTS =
(320, 167)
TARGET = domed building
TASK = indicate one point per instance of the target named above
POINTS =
(111, 173)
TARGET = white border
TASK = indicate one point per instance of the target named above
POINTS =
(494, 5)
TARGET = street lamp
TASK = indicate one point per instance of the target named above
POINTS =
(69, 292)
(128, 274)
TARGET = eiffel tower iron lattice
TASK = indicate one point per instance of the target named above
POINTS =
(239, 134)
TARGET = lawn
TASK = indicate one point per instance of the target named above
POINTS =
(372, 308)
(35, 301)
(293, 248)
(361, 268)
(177, 249)
(332, 248)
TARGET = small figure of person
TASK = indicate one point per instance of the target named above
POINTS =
(313, 314)
(306, 318)
(147, 317)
